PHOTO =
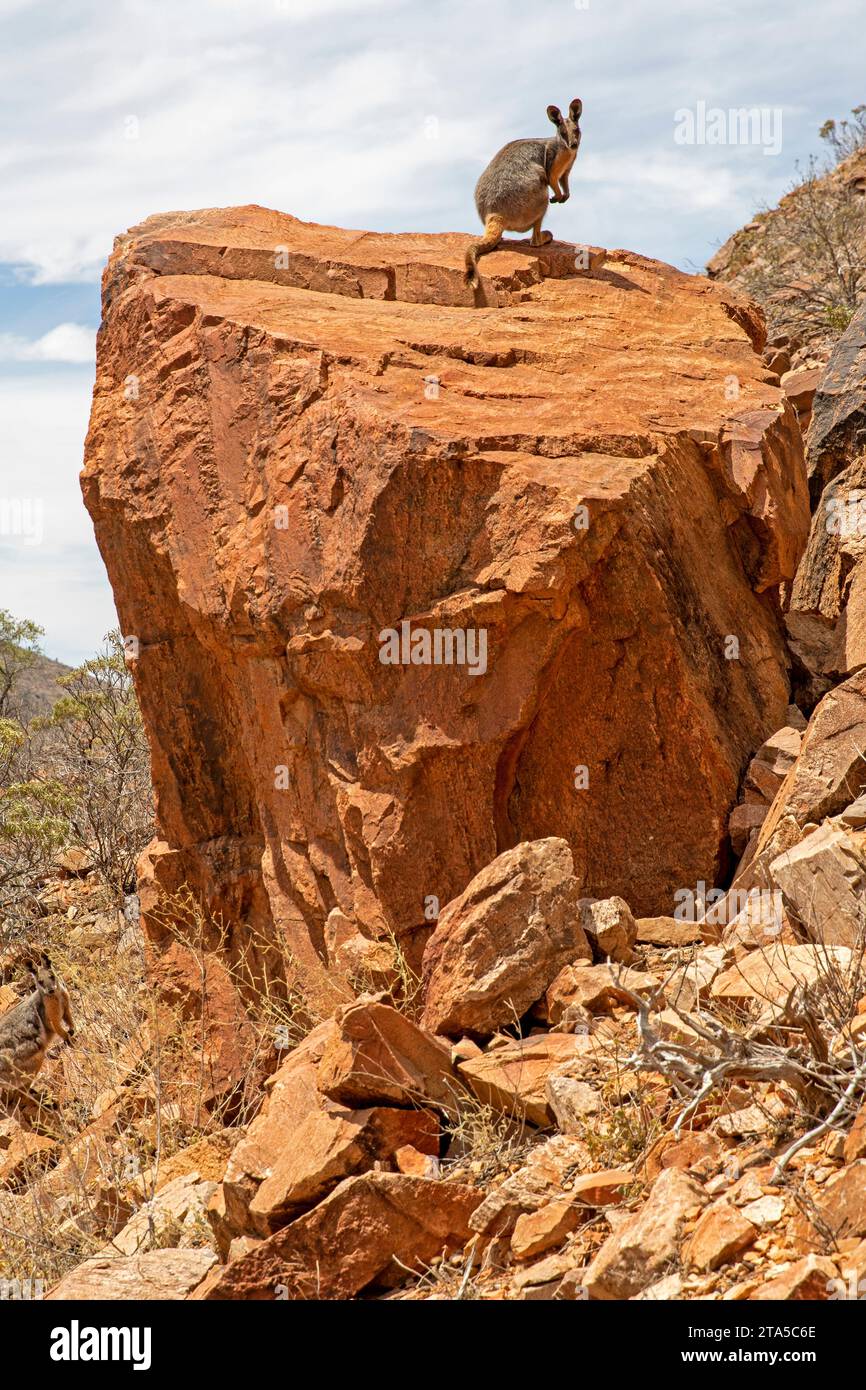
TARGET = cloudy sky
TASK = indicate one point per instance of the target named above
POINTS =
(373, 113)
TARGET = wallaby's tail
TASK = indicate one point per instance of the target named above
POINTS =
(493, 229)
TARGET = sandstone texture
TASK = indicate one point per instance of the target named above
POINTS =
(303, 438)
(157, 1275)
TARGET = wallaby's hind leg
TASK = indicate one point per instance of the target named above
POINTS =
(540, 238)
(493, 229)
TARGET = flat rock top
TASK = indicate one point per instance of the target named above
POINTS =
(598, 359)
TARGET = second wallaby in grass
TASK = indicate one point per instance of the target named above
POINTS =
(29, 1029)
(511, 194)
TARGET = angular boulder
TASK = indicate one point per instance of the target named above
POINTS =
(368, 1232)
(720, 1235)
(178, 1209)
(331, 1145)
(157, 1275)
(497, 947)
(314, 462)
(611, 928)
(548, 1167)
(813, 1278)
(594, 988)
(640, 1250)
(823, 884)
(829, 771)
(837, 432)
(827, 618)
(293, 1098)
(514, 1077)
(544, 1229)
(770, 973)
(377, 1056)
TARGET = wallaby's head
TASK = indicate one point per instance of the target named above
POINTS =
(40, 973)
(567, 126)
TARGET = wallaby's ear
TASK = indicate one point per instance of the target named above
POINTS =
(575, 109)
(29, 965)
(555, 115)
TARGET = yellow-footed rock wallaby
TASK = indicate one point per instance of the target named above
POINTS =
(511, 194)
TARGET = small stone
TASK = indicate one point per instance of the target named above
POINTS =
(720, 1235)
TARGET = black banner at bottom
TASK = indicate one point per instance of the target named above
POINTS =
(224, 1338)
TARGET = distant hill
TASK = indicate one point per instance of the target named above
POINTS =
(37, 687)
(804, 261)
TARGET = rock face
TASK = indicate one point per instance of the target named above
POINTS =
(311, 456)
(837, 432)
(827, 620)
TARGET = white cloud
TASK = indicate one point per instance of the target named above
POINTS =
(319, 107)
(52, 572)
(68, 342)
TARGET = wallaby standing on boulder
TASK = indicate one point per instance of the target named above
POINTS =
(28, 1030)
(511, 194)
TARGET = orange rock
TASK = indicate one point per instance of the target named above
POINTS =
(841, 1204)
(829, 771)
(541, 1230)
(514, 1078)
(498, 945)
(539, 1180)
(823, 880)
(641, 1248)
(855, 1139)
(417, 1164)
(813, 1277)
(770, 973)
(602, 1189)
(74, 862)
(851, 1261)
(25, 1157)
(611, 928)
(800, 387)
(300, 441)
(697, 1149)
(572, 1101)
(207, 1157)
(366, 964)
(9, 997)
(198, 985)
(721, 1234)
(366, 1233)
(158, 1274)
(293, 1096)
(667, 931)
(329, 1146)
(376, 1055)
(594, 987)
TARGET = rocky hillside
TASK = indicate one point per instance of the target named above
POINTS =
(504, 936)
(804, 262)
(39, 688)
